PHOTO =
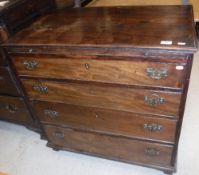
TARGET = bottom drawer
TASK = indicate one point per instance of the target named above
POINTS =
(118, 148)
(14, 109)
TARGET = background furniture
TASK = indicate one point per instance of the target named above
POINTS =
(109, 89)
(14, 16)
(18, 13)
(12, 105)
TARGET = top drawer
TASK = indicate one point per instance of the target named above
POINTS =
(130, 72)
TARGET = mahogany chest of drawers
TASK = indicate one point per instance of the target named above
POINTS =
(110, 82)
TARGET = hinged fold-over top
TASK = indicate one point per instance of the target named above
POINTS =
(150, 27)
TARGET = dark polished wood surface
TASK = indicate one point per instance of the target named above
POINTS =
(124, 99)
(118, 148)
(114, 27)
(197, 29)
(18, 13)
(14, 110)
(111, 76)
(100, 69)
(7, 84)
(111, 122)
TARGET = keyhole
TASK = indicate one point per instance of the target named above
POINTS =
(87, 66)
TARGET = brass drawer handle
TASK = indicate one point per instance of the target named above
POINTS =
(50, 113)
(154, 100)
(156, 74)
(152, 152)
(40, 88)
(59, 135)
(11, 108)
(152, 127)
(30, 65)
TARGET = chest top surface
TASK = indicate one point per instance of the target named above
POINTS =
(150, 27)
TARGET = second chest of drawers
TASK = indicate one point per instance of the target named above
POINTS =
(12, 105)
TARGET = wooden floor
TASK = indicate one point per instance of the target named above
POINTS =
(99, 3)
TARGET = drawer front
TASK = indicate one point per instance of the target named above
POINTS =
(111, 147)
(108, 71)
(106, 121)
(7, 84)
(14, 109)
(124, 99)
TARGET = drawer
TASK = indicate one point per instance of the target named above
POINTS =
(14, 109)
(7, 83)
(106, 121)
(128, 72)
(120, 98)
(118, 148)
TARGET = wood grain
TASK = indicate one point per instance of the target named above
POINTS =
(103, 3)
(101, 100)
(105, 121)
(132, 31)
(125, 99)
(127, 150)
(7, 84)
(14, 109)
(18, 13)
(107, 69)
